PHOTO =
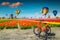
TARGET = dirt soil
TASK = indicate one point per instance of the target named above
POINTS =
(16, 34)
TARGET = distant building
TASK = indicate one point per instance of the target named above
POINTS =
(11, 16)
(57, 17)
(15, 17)
(2, 17)
(49, 16)
(23, 17)
(31, 17)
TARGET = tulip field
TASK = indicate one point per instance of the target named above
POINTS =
(14, 23)
(26, 23)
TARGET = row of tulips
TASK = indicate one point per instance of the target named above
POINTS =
(52, 20)
(10, 23)
(23, 23)
(20, 22)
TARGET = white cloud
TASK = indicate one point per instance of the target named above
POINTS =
(12, 4)
(5, 3)
(15, 4)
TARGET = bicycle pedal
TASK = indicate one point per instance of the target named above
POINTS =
(51, 34)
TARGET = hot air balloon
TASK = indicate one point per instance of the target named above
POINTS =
(55, 12)
(17, 12)
(45, 10)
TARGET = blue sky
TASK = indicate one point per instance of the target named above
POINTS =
(29, 8)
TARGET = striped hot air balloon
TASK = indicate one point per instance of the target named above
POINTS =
(17, 12)
(45, 10)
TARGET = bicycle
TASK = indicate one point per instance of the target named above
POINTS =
(47, 34)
